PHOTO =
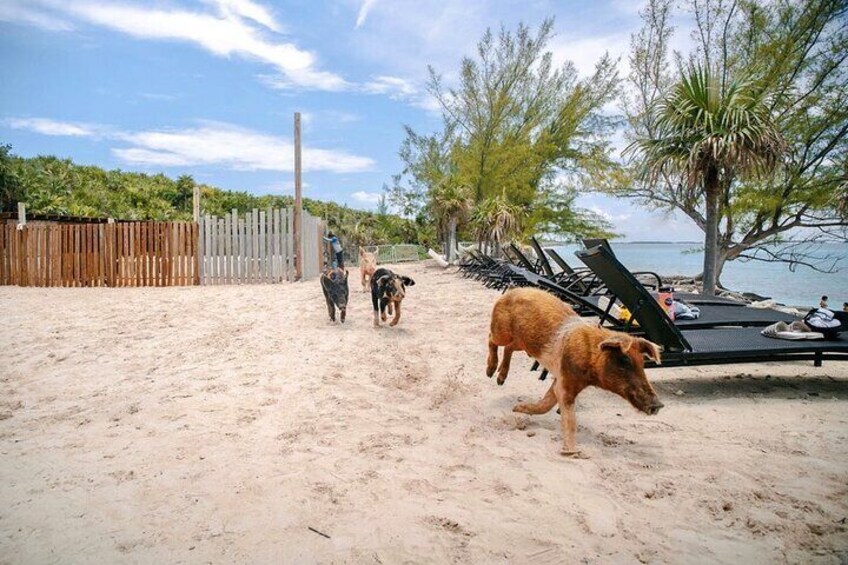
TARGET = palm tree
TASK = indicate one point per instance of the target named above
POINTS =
(450, 202)
(497, 219)
(706, 134)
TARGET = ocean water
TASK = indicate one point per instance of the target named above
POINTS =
(803, 287)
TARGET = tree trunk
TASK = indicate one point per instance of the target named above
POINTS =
(451, 240)
(721, 261)
(711, 229)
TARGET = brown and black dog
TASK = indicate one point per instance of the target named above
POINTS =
(387, 292)
(578, 354)
(367, 266)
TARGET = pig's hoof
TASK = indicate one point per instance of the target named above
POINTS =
(490, 371)
(501, 380)
(573, 454)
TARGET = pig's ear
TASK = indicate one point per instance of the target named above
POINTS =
(619, 342)
(649, 349)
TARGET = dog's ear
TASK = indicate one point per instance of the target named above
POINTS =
(381, 282)
(407, 281)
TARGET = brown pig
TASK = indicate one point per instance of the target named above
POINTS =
(578, 354)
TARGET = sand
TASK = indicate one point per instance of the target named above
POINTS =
(220, 424)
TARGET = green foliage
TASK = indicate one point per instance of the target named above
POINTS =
(49, 185)
(708, 134)
(790, 59)
(511, 129)
(11, 189)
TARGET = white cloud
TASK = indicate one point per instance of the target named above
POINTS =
(231, 32)
(215, 143)
(23, 12)
(363, 12)
(395, 87)
(637, 223)
(367, 197)
(210, 143)
(585, 52)
(52, 127)
(249, 10)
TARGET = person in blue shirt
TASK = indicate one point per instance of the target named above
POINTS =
(337, 249)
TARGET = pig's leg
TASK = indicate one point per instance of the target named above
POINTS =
(331, 308)
(569, 421)
(492, 360)
(503, 370)
(542, 407)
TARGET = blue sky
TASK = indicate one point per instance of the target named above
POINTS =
(209, 87)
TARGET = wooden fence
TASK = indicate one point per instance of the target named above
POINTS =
(110, 254)
(257, 247)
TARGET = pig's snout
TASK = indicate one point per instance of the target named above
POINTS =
(654, 407)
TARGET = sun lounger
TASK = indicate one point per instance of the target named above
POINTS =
(690, 297)
(542, 259)
(683, 346)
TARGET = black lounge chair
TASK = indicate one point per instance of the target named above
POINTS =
(542, 259)
(711, 315)
(691, 297)
(710, 346)
(520, 259)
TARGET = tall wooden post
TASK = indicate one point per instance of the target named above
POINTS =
(195, 203)
(298, 203)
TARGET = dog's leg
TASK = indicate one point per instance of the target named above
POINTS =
(396, 319)
(383, 309)
(492, 360)
(375, 306)
(542, 407)
(503, 370)
(342, 314)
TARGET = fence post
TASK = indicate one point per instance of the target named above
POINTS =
(21, 215)
(298, 204)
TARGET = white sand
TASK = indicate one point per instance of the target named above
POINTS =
(192, 425)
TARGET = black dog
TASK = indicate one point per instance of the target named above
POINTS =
(387, 292)
(334, 285)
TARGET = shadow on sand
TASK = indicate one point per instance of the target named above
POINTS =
(698, 389)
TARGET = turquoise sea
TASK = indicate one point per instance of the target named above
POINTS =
(803, 287)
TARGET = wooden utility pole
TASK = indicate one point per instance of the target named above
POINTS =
(195, 203)
(298, 204)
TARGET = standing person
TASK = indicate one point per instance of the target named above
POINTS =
(337, 249)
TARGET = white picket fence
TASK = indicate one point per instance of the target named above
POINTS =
(256, 248)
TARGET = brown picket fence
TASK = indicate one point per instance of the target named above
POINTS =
(99, 254)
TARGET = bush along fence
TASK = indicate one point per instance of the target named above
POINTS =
(253, 248)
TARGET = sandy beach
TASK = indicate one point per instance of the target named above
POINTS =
(236, 424)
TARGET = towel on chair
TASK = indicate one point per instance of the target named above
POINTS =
(794, 331)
